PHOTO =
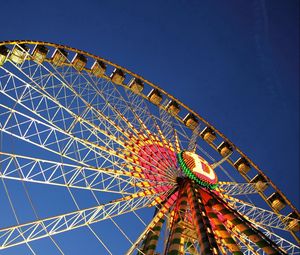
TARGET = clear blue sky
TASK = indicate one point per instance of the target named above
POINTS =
(236, 63)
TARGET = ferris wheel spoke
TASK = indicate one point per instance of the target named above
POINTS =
(259, 215)
(82, 118)
(233, 189)
(28, 232)
(286, 245)
(140, 110)
(64, 102)
(194, 137)
(28, 169)
(163, 123)
(140, 140)
(171, 128)
(149, 122)
(150, 144)
(179, 136)
(165, 140)
(177, 142)
(47, 172)
(61, 117)
(45, 136)
(91, 93)
(183, 138)
(57, 141)
(135, 122)
(166, 122)
(158, 154)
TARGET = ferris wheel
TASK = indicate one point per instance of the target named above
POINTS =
(94, 155)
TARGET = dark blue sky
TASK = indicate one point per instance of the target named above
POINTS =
(234, 62)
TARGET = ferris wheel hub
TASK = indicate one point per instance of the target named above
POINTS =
(197, 169)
